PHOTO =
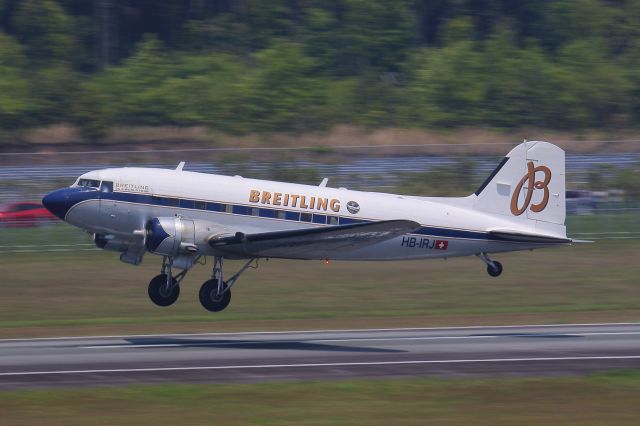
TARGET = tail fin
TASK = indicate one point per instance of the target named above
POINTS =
(529, 184)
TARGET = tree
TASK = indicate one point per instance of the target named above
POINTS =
(14, 88)
(45, 29)
(360, 35)
(279, 93)
(448, 88)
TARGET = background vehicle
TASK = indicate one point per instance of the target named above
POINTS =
(24, 214)
(580, 202)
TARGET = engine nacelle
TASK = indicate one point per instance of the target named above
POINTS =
(174, 236)
(109, 242)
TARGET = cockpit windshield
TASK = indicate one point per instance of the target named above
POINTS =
(89, 183)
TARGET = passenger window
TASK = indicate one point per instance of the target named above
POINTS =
(333, 220)
(320, 219)
(240, 210)
(187, 204)
(305, 217)
(292, 216)
(106, 186)
(267, 213)
(215, 207)
(200, 205)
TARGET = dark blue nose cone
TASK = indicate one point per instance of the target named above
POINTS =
(57, 202)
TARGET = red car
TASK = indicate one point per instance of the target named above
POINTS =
(25, 214)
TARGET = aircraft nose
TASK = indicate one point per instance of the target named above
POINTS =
(57, 202)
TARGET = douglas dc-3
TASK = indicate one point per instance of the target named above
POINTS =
(185, 216)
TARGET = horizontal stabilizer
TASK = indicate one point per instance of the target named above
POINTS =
(582, 241)
(312, 243)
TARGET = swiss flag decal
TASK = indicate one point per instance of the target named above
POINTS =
(441, 245)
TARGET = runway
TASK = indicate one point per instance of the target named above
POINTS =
(310, 355)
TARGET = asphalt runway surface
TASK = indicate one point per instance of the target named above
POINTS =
(311, 355)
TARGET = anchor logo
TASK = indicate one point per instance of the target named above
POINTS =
(532, 184)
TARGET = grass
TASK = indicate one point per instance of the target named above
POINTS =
(604, 224)
(91, 291)
(34, 238)
(602, 399)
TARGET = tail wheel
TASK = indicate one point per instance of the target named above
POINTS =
(162, 295)
(211, 300)
(495, 270)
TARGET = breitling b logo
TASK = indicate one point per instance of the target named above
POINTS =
(532, 184)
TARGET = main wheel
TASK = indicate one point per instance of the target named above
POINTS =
(158, 292)
(495, 270)
(211, 300)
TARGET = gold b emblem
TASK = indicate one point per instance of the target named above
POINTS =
(532, 184)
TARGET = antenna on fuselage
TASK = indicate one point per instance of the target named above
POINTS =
(324, 182)
(180, 166)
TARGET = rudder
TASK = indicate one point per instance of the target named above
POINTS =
(529, 184)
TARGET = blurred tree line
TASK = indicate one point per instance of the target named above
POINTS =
(264, 65)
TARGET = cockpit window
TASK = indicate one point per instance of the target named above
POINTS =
(106, 186)
(89, 183)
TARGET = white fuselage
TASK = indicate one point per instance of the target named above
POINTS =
(133, 196)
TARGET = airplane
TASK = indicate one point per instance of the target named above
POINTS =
(186, 216)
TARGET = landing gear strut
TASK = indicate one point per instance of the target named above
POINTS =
(215, 294)
(494, 268)
(164, 289)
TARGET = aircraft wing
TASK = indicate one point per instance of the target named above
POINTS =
(311, 243)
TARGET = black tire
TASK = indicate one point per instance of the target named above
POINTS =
(496, 270)
(158, 293)
(210, 299)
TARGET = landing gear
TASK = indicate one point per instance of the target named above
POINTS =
(163, 290)
(213, 299)
(215, 294)
(494, 268)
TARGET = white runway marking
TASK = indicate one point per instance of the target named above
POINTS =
(319, 365)
(373, 330)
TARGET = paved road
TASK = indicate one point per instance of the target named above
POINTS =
(251, 357)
